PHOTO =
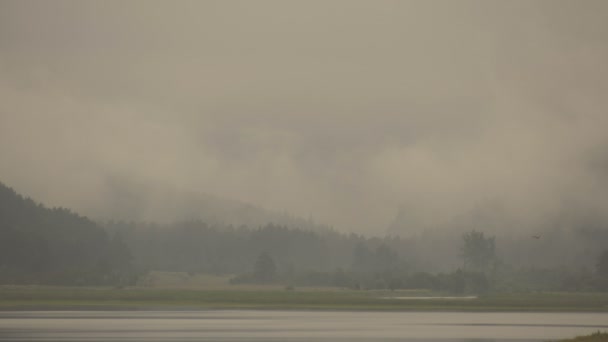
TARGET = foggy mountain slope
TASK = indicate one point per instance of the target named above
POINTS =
(40, 245)
(493, 217)
(490, 217)
(55, 246)
(127, 200)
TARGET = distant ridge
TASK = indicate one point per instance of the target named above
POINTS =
(134, 201)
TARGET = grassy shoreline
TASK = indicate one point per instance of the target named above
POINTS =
(77, 298)
(595, 337)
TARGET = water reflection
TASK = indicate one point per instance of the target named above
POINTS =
(294, 326)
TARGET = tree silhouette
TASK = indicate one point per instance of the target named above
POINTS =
(264, 269)
(602, 264)
(478, 252)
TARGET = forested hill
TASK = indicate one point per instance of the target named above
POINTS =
(40, 245)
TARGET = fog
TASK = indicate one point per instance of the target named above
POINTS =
(350, 112)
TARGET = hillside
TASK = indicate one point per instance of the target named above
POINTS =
(40, 245)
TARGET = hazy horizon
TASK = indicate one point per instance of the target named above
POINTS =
(346, 111)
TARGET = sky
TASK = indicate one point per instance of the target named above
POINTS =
(345, 111)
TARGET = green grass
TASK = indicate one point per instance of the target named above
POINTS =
(44, 297)
(595, 337)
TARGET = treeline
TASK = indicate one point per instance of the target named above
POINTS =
(197, 247)
(294, 257)
(40, 245)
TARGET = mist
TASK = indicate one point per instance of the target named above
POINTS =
(350, 112)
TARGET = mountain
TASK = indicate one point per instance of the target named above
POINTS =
(40, 245)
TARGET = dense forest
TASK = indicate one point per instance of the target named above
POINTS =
(476, 262)
(39, 245)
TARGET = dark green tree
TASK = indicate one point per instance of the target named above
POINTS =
(478, 251)
(40, 245)
(362, 258)
(264, 269)
(602, 264)
(385, 259)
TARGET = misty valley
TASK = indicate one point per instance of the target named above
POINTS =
(190, 280)
(43, 246)
(336, 170)
(52, 260)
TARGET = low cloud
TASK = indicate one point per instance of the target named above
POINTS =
(344, 110)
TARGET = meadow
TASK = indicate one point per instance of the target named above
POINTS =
(595, 337)
(177, 290)
(272, 297)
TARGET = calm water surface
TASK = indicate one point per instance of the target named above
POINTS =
(293, 326)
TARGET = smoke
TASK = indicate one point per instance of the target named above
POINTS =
(345, 110)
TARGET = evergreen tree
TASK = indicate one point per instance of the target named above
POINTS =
(264, 268)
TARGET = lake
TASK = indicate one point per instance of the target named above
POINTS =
(237, 325)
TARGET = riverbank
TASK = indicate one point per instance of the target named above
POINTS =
(87, 298)
(595, 337)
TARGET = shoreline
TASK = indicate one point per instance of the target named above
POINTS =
(16, 298)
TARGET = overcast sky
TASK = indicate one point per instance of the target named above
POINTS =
(343, 110)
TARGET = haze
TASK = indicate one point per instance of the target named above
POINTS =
(347, 111)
